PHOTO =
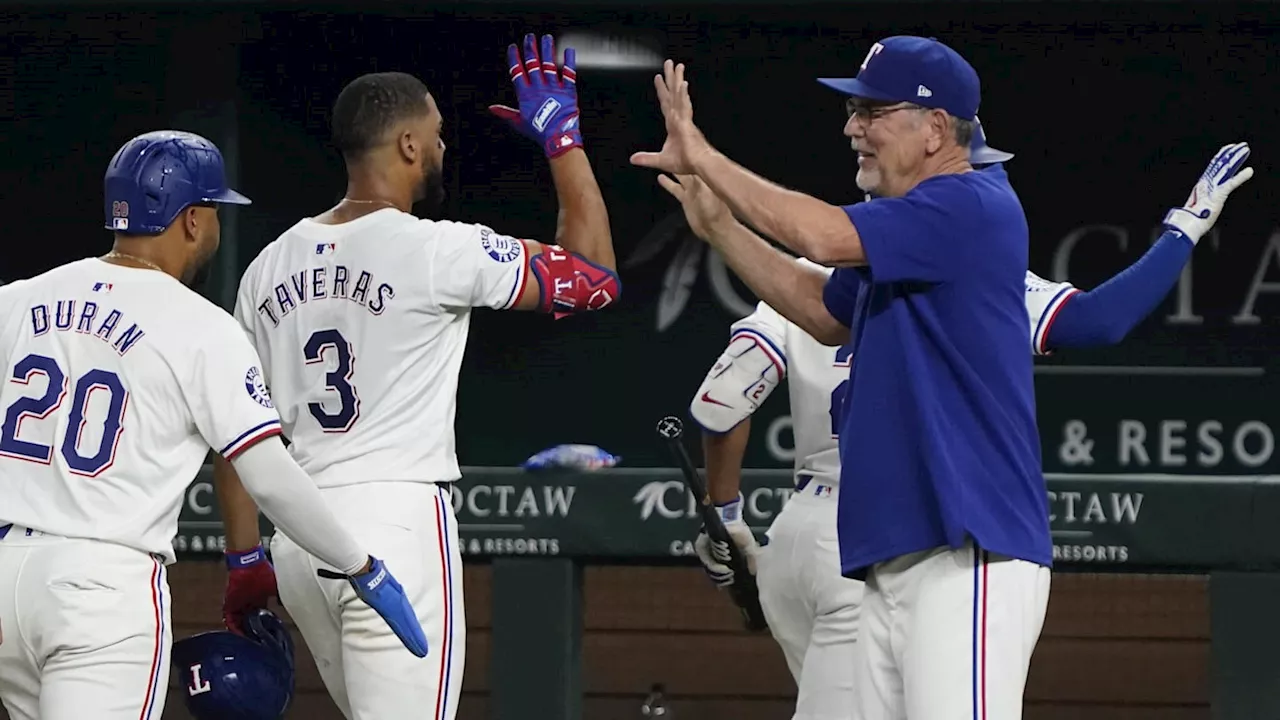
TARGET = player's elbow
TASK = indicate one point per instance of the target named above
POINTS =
(573, 284)
(822, 326)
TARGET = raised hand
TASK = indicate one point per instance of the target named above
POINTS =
(1204, 205)
(547, 96)
(685, 142)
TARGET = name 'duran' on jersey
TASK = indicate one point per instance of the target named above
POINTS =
(90, 319)
(319, 284)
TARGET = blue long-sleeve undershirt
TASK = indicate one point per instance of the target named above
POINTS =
(1106, 314)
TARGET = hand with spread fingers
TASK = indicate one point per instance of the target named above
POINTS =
(685, 142)
(547, 96)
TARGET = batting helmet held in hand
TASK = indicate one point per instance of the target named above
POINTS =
(225, 676)
(157, 175)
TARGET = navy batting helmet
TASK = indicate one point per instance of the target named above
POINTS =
(982, 154)
(225, 676)
(157, 175)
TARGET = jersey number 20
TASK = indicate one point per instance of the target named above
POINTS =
(337, 380)
(35, 409)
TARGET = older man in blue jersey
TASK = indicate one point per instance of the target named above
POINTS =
(943, 506)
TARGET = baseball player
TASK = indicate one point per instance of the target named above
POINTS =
(118, 379)
(361, 316)
(812, 610)
(942, 509)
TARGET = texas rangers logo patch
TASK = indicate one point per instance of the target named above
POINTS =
(257, 387)
(502, 248)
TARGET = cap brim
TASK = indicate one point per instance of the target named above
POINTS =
(988, 155)
(228, 197)
(853, 87)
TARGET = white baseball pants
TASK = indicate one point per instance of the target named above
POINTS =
(367, 670)
(812, 610)
(948, 635)
(84, 629)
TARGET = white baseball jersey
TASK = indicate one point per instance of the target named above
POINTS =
(362, 327)
(117, 382)
(817, 375)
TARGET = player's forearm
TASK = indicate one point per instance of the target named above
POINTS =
(723, 457)
(239, 511)
(293, 504)
(583, 222)
(794, 290)
(1106, 314)
(815, 229)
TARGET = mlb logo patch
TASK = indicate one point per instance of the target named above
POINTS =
(325, 248)
(102, 287)
(119, 223)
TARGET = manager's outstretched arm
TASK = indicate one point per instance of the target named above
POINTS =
(794, 290)
(1105, 315)
(815, 229)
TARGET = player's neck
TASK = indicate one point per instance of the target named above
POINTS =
(143, 254)
(368, 191)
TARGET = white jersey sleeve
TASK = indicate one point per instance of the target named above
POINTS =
(473, 266)
(1044, 300)
(227, 391)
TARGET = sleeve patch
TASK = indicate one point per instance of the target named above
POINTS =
(256, 386)
(502, 248)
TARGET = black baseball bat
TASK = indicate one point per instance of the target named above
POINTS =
(744, 592)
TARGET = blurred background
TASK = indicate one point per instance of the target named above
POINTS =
(1164, 446)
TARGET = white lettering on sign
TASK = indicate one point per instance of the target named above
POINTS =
(1174, 443)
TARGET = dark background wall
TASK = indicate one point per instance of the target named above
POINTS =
(1113, 109)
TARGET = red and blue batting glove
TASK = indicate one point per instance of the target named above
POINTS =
(547, 96)
(251, 583)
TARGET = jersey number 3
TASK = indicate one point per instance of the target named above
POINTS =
(338, 380)
(35, 409)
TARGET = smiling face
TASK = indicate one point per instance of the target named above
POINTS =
(892, 141)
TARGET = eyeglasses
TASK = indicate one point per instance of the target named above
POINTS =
(867, 114)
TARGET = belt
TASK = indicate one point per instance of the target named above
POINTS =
(27, 532)
(806, 486)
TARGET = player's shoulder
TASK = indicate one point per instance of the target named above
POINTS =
(197, 320)
(763, 320)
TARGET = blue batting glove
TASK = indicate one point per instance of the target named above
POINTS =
(547, 96)
(1225, 173)
(379, 589)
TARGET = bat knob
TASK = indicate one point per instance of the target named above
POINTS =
(670, 427)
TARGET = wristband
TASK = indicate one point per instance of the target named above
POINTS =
(247, 558)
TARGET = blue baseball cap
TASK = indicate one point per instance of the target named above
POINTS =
(980, 153)
(906, 68)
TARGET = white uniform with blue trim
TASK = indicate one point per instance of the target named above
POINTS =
(813, 611)
(362, 328)
(117, 382)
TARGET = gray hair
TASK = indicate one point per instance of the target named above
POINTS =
(963, 130)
